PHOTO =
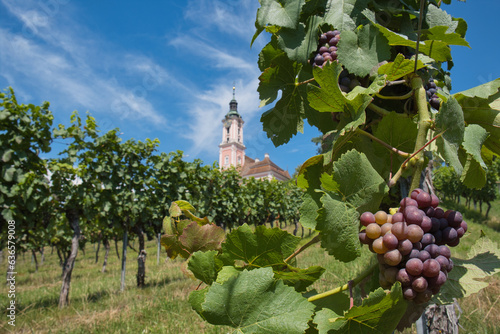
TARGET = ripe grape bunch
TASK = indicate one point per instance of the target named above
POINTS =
(412, 244)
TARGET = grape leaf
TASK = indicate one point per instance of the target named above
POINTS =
(438, 50)
(344, 14)
(481, 105)
(273, 12)
(308, 211)
(265, 247)
(205, 266)
(440, 33)
(450, 119)
(173, 247)
(360, 51)
(254, 302)
(398, 132)
(206, 237)
(338, 223)
(465, 278)
(299, 278)
(474, 173)
(284, 120)
(299, 43)
(399, 67)
(359, 184)
(474, 137)
(327, 96)
(379, 313)
(437, 17)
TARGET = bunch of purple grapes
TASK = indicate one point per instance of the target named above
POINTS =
(327, 48)
(412, 245)
(431, 88)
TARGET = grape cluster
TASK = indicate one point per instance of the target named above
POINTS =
(327, 48)
(431, 88)
(412, 244)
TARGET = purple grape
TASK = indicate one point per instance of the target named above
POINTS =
(434, 201)
(428, 239)
(414, 266)
(329, 35)
(405, 247)
(319, 60)
(404, 277)
(435, 224)
(438, 213)
(429, 211)
(420, 284)
(409, 293)
(333, 41)
(398, 217)
(449, 234)
(445, 251)
(424, 255)
(423, 199)
(443, 262)
(323, 49)
(426, 224)
(443, 223)
(433, 250)
(454, 219)
(431, 268)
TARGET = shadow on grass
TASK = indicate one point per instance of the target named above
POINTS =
(471, 214)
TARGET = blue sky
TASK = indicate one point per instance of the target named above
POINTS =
(165, 69)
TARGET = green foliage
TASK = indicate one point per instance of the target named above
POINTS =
(254, 302)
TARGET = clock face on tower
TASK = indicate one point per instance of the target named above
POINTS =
(227, 123)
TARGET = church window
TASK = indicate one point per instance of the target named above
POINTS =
(226, 160)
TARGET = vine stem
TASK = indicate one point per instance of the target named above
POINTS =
(383, 112)
(381, 142)
(396, 97)
(344, 287)
(305, 82)
(304, 247)
(424, 122)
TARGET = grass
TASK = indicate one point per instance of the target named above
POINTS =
(98, 306)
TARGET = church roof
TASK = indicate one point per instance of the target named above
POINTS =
(262, 168)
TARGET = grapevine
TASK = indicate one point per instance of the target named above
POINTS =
(374, 78)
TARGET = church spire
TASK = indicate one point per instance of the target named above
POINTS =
(233, 105)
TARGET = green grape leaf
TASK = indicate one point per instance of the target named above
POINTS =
(481, 105)
(197, 298)
(264, 247)
(201, 238)
(205, 266)
(438, 50)
(226, 273)
(359, 183)
(322, 319)
(399, 67)
(439, 33)
(308, 211)
(255, 302)
(379, 313)
(284, 120)
(299, 278)
(450, 119)
(327, 97)
(360, 51)
(338, 223)
(274, 13)
(466, 277)
(435, 16)
(344, 14)
(474, 173)
(398, 132)
(299, 43)
(474, 137)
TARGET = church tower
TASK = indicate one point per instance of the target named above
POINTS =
(231, 149)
